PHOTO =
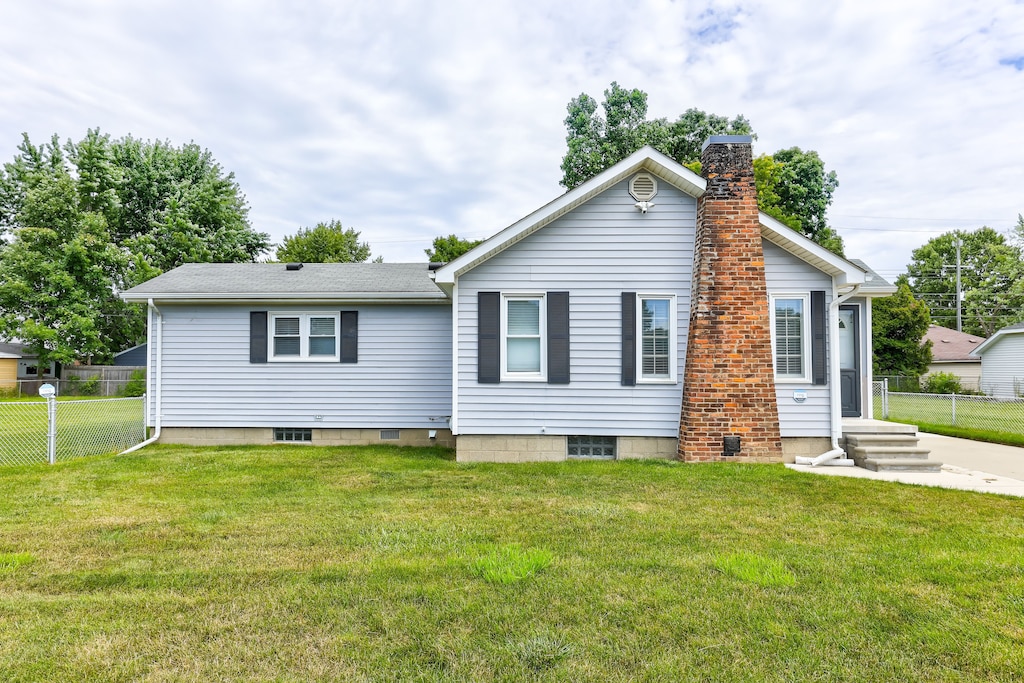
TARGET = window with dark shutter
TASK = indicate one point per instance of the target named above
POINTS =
(488, 337)
(558, 337)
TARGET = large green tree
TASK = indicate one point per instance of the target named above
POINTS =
(991, 280)
(898, 325)
(446, 249)
(793, 185)
(107, 214)
(324, 243)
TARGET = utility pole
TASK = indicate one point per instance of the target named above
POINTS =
(959, 322)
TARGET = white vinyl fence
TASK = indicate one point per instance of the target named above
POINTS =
(48, 431)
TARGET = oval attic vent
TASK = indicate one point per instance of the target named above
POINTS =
(643, 187)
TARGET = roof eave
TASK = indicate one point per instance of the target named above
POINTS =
(310, 297)
(991, 340)
(843, 272)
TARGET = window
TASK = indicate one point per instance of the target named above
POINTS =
(289, 434)
(304, 336)
(523, 337)
(656, 333)
(590, 446)
(791, 336)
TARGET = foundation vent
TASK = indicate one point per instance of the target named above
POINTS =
(390, 434)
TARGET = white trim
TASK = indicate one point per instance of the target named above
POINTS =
(672, 339)
(453, 421)
(317, 298)
(992, 340)
(303, 337)
(542, 374)
(805, 337)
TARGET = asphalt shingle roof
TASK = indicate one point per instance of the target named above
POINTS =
(950, 345)
(313, 280)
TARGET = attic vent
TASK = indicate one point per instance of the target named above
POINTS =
(643, 187)
(293, 266)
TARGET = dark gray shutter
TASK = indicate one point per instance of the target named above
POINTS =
(257, 336)
(350, 336)
(558, 337)
(628, 339)
(488, 337)
(819, 373)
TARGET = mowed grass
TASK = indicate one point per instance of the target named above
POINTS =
(377, 564)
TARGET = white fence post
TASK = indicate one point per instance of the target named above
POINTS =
(954, 409)
(51, 429)
(885, 398)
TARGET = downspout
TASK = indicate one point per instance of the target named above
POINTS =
(157, 321)
(833, 457)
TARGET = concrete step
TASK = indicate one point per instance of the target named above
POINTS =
(876, 427)
(908, 440)
(901, 465)
(888, 452)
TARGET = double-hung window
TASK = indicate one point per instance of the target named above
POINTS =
(304, 336)
(523, 337)
(791, 334)
(656, 334)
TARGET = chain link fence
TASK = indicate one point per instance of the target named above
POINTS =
(78, 428)
(955, 410)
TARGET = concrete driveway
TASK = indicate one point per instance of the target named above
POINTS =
(1006, 461)
(967, 465)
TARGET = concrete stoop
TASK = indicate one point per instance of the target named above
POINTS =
(882, 447)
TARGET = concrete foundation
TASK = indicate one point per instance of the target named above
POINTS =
(545, 448)
(807, 446)
(236, 436)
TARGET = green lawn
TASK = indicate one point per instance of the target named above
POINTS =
(298, 563)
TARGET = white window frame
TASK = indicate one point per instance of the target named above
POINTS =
(673, 336)
(805, 348)
(512, 376)
(304, 318)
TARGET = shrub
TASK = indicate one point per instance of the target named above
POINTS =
(136, 385)
(942, 383)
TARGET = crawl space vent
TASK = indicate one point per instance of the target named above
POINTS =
(643, 187)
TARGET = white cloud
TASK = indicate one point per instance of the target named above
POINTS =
(410, 120)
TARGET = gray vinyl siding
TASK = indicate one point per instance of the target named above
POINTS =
(1002, 367)
(785, 273)
(402, 379)
(601, 249)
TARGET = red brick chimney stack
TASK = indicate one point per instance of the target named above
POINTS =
(729, 410)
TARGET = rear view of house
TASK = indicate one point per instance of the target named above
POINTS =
(649, 312)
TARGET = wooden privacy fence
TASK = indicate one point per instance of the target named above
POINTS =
(87, 380)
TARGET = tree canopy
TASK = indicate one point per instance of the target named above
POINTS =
(446, 249)
(793, 185)
(81, 221)
(324, 243)
(991, 279)
(898, 325)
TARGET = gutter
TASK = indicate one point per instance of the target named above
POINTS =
(157, 323)
(833, 457)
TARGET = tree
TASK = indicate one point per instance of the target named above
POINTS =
(324, 243)
(991, 274)
(899, 323)
(793, 185)
(92, 217)
(447, 249)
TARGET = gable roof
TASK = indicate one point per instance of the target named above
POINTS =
(950, 345)
(647, 159)
(313, 282)
(11, 350)
(1017, 328)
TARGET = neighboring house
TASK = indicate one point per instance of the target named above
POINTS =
(649, 312)
(135, 356)
(1002, 362)
(8, 371)
(27, 366)
(951, 352)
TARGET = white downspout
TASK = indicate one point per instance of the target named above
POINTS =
(156, 384)
(832, 457)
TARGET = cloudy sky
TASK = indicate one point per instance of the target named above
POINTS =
(408, 120)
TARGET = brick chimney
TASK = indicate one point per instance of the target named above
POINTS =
(729, 410)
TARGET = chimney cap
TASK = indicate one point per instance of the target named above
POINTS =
(727, 140)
